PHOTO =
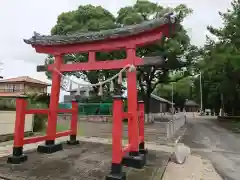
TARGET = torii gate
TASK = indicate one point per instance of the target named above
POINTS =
(127, 38)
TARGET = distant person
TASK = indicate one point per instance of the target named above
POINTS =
(97, 110)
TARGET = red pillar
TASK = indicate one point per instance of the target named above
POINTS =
(132, 104)
(50, 146)
(116, 168)
(135, 158)
(55, 90)
(21, 105)
(117, 130)
(74, 125)
(18, 157)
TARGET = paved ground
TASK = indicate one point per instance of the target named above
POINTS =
(88, 161)
(218, 145)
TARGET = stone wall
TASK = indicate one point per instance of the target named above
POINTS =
(100, 118)
(171, 123)
(165, 126)
(90, 118)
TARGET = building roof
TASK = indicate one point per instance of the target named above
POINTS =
(161, 99)
(190, 103)
(125, 31)
(24, 79)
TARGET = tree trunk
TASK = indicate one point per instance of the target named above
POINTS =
(147, 104)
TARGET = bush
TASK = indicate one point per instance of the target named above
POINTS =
(38, 101)
(39, 122)
(228, 118)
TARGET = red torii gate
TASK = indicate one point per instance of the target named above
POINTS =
(128, 38)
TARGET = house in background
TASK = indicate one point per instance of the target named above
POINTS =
(84, 93)
(13, 87)
(159, 104)
(191, 106)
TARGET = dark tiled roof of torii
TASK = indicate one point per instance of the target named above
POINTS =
(38, 39)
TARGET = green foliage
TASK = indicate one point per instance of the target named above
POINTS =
(39, 122)
(39, 101)
(8, 104)
(84, 19)
(177, 51)
(220, 65)
(182, 90)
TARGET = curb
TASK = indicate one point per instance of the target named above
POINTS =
(175, 143)
(165, 167)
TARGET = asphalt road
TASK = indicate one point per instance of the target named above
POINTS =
(215, 143)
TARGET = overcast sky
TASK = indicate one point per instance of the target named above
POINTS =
(19, 19)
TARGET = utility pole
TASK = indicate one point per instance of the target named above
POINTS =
(1, 70)
(222, 101)
(172, 97)
(200, 77)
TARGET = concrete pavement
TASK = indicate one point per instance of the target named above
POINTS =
(215, 143)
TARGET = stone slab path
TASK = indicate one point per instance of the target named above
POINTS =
(195, 168)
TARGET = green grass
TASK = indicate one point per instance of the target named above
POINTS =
(62, 127)
(231, 125)
(235, 126)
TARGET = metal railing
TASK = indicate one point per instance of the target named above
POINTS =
(20, 90)
(8, 90)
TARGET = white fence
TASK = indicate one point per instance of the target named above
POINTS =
(171, 123)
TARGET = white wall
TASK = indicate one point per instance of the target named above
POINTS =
(7, 122)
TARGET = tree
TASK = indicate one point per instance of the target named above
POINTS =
(220, 62)
(84, 19)
(38, 100)
(181, 91)
(177, 50)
